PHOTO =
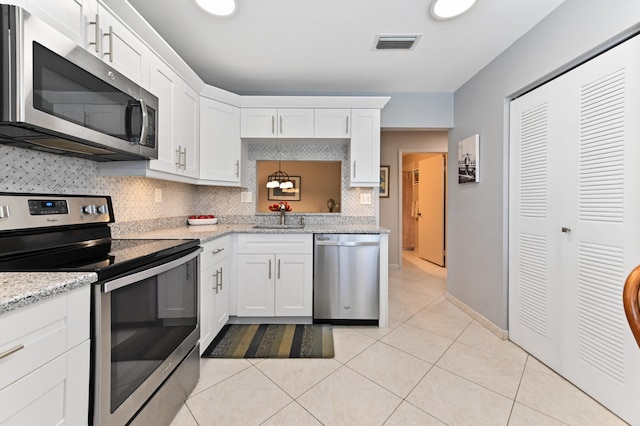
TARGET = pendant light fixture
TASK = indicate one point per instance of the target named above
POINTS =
(279, 179)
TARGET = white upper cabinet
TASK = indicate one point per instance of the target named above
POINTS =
(75, 19)
(277, 123)
(220, 144)
(187, 131)
(364, 153)
(164, 84)
(89, 24)
(332, 123)
(122, 49)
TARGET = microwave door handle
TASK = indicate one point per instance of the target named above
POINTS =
(145, 122)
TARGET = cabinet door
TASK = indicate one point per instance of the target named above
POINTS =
(220, 145)
(122, 49)
(258, 122)
(164, 84)
(332, 123)
(365, 147)
(221, 307)
(56, 393)
(207, 306)
(295, 123)
(72, 18)
(187, 130)
(293, 285)
(255, 280)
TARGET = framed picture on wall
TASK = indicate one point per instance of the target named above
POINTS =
(469, 159)
(384, 181)
(416, 176)
(287, 194)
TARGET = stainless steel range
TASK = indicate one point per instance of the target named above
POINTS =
(144, 306)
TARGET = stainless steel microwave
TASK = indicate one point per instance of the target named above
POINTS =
(59, 98)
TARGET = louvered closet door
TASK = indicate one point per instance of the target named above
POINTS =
(534, 250)
(575, 225)
(602, 209)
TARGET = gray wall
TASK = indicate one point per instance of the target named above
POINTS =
(478, 221)
(391, 144)
(418, 111)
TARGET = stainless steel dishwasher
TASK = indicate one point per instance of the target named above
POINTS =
(346, 278)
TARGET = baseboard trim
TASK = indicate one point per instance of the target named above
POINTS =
(502, 334)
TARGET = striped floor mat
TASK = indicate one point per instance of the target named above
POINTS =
(272, 341)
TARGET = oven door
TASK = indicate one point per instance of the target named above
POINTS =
(144, 326)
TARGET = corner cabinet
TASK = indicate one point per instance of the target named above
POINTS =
(44, 361)
(220, 144)
(215, 281)
(364, 151)
(275, 275)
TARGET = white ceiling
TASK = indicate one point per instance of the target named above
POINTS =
(325, 46)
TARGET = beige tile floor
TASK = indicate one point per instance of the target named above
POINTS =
(434, 365)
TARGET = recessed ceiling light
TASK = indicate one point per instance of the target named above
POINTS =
(218, 7)
(447, 9)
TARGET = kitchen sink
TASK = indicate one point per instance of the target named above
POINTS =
(298, 226)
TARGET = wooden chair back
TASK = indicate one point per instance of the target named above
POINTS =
(630, 296)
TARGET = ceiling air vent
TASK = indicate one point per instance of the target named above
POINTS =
(396, 42)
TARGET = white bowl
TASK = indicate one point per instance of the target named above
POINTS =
(203, 221)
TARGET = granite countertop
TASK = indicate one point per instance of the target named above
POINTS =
(210, 232)
(19, 289)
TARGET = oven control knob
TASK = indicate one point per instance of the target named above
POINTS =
(104, 209)
(90, 209)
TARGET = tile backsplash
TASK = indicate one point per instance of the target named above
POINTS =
(23, 170)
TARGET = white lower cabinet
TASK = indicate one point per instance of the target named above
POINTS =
(275, 275)
(44, 362)
(215, 281)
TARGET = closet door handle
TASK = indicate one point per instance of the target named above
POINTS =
(566, 230)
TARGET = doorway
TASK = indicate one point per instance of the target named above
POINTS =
(423, 205)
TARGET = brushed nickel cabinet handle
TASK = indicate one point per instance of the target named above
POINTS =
(269, 268)
(354, 169)
(110, 34)
(280, 124)
(11, 351)
(97, 33)
(273, 124)
(178, 154)
(347, 132)
(278, 268)
(220, 283)
(237, 168)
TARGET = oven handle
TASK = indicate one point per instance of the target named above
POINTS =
(147, 273)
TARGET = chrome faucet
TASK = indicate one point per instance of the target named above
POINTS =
(282, 210)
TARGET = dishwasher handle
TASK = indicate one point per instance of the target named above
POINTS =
(347, 243)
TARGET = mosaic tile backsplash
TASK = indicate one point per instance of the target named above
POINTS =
(23, 170)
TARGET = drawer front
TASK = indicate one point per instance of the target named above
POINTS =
(37, 334)
(275, 243)
(34, 335)
(215, 250)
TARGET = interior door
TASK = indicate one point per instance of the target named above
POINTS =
(431, 209)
